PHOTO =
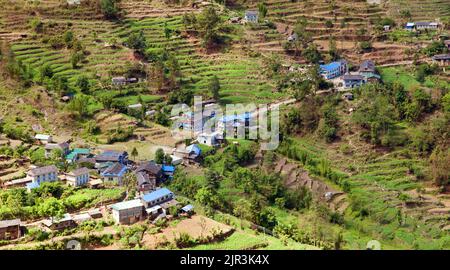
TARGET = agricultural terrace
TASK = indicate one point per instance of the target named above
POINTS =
(240, 75)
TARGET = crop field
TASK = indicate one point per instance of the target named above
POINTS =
(421, 10)
(240, 76)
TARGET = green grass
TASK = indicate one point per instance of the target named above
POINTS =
(396, 74)
(244, 240)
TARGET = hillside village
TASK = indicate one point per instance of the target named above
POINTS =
(87, 149)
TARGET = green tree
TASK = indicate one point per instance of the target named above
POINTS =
(69, 39)
(312, 54)
(137, 41)
(262, 9)
(79, 105)
(130, 182)
(109, 8)
(214, 88)
(134, 153)
(52, 208)
(159, 156)
(208, 22)
(213, 179)
(76, 58)
(83, 84)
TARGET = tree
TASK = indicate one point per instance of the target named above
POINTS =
(174, 69)
(213, 179)
(312, 54)
(206, 196)
(208, 26)
(45, 71)
(167, 31)
(109, 8)
(130, 183)
(83, 84)
(137, 41)
(68, 38)
(405, 14)
(159, 156)
(52, 208)
(267, 218)
(333, 49)
(134, 153)
(214, 88)
(440, 171)
(76, 58)
(79, 105)
(262, 9)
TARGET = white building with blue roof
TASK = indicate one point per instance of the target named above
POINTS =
(334, 69)
(157, 197)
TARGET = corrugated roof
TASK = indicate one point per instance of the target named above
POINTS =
(352, 77)
(110, 156)
(150, 167)
(188, 208)
(8, 223)
(194, 148)
(42, 137)
(79, 171)
(156, 194)
(51, 146)
(331, 66)
(44, 170)
(127, 205)
(168, 168)
(116, 169)
(441, 57)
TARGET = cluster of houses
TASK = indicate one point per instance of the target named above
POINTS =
(339, 69)
(421, 26)
(152, 205)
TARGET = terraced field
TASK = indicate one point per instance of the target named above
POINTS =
(421, 10)
(352, 22)
(386, 189)
(240, 76)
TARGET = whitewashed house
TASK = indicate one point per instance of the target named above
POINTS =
(128, 212)
(78, 177)
(210, 139)
(43, 138)
(42, 174)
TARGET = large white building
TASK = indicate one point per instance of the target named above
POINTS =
(78, 177)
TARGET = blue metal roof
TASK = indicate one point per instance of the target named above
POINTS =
(194, 148)
(168, 168)
(156, 194)
(330, 66)
(116, 169)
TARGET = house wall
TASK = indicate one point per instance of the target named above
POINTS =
(127, 216)
(49, 177)
(113, 179)
(78, 181)
(9, 233)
